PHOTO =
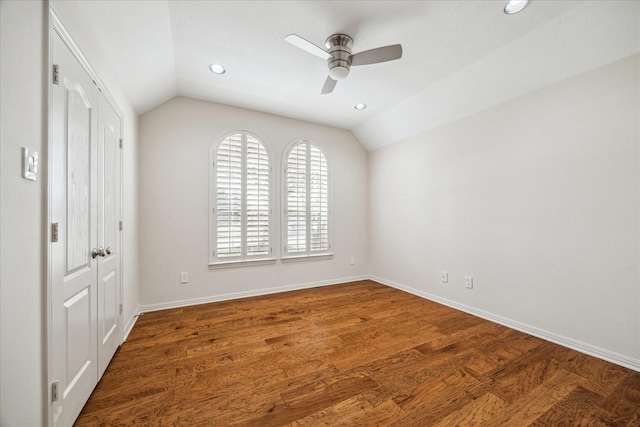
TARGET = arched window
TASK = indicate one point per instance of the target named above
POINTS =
(306, 217)
(241, 197)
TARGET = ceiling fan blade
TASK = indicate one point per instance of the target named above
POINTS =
(329, 84)
(380, 54)
(305, 45)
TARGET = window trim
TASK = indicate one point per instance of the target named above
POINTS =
(245, 263)
(243, 259)
(308, 255)
(302, 258)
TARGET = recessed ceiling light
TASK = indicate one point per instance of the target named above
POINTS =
(515, 6)
(217, 69)
(360, 106)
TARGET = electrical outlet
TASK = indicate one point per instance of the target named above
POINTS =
(468, 282)
(444, 277)
(184, 277)
(352, 260)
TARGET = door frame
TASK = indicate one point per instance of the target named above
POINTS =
(56, 28)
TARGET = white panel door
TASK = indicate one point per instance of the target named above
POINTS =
(73, 298)
(109, 318)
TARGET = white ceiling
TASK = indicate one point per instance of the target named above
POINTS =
(459, 57)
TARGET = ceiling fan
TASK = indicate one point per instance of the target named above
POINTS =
(339, 57)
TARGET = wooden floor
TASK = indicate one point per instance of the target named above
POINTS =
(358, 354)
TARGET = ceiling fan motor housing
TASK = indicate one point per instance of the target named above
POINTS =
(339, 46)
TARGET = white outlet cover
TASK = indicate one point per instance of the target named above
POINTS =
(444, 277)
(468, 282)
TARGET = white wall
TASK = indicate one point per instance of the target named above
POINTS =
(537, 200)
(175, 139)
(24, 75)
(23, 29)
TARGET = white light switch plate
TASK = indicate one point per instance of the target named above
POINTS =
(30, 164)
(468, 282)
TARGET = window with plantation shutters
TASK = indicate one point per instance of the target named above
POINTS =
(241, 197)
(307, 201)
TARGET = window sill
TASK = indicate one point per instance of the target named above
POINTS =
(306, 258)
(242, 263)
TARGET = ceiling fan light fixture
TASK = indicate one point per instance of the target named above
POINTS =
(515, 6)
(217, 69)
(339, 72)
(360, 106)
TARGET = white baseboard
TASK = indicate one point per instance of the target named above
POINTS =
(129, 326)
(591, 350)
(246, 294)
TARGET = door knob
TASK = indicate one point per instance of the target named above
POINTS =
(101, 252)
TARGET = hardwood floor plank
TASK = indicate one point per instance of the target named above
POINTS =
(605, 377)
(341, 412)
(512, 384)
(479, 411)
(355, 354)
(624, 400)
(383, 415)
(430, 402)
(333, 389)
(531, 406)
(576, 406)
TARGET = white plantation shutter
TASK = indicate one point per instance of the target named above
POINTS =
(307, 202)
(258, 206)
(229, 197)
(297, 200)
(242, 201)
(318, 201)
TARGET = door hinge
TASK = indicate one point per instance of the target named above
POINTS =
(121, 308)
(120, 142)
(56, 74)
(54, 391)
(54, 232)
(120, 226)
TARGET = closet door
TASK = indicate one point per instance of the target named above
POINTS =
(74, 236)
(109, 331)
(84, 201)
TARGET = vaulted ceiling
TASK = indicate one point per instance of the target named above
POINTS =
(459, 57)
